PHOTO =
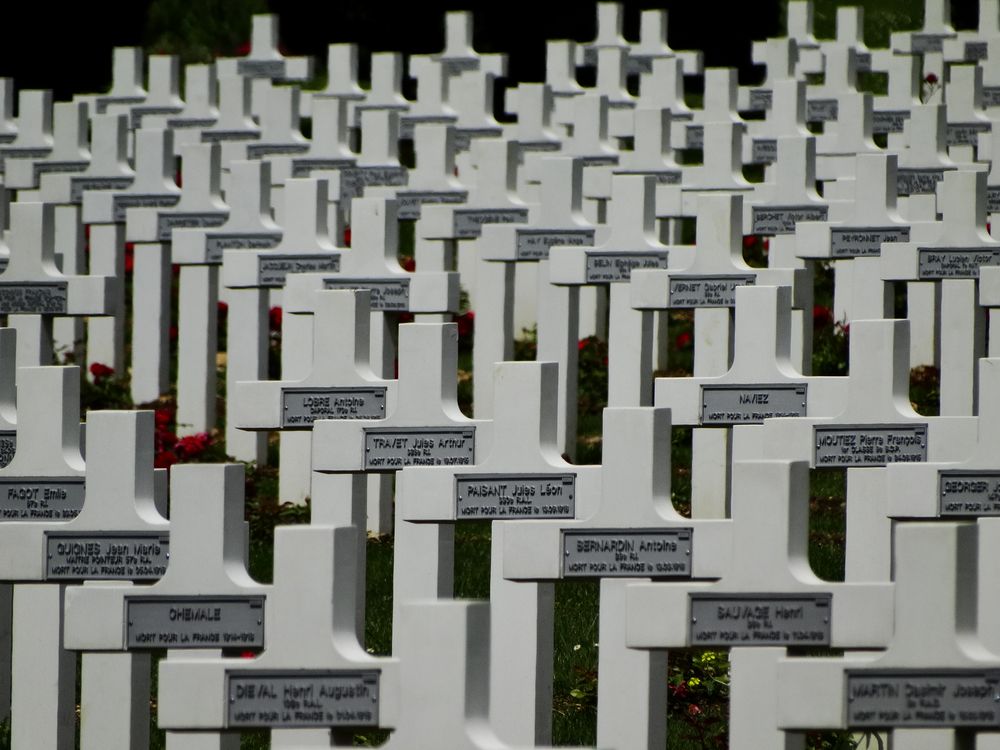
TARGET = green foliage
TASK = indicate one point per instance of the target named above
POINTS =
(200, 32)
(698, 699)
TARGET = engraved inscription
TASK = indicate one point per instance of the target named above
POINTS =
(114, 556)
(864, 61)
(456, 65)
(217, 136)
(8, 446)
(870, 445)
(991, 96)
(857, 242)
(512, 496)
(760, 99)
(707, 291)
(38, 298)
(179, 123)
(353, 180)
(465, 136)
(955, 262)
(409, 202)
(302, 698)
(782, 219)
(261, 68)
(273, 269)
(49, 167)
(923, 698)
(391, 448)
(760, 620)
(764, 150)
(917, 181)
(889, 121)
(965, 133)
(821, 110)
(627, 553)
(216, 244)
(610, 268)
(534, 244)
(303, 406)
(969, 493)
(125, 201)
(194, 622)
(167, 222)
(469, 222)
(386, 295)
(727, 405)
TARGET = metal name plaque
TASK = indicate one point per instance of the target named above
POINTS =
(166, 223)
(50, 167)
(764, 150)
(193, 622)
(260, 150)
(139, 112)
(727, 405)
(302, 698)
(694, 136)
(969, 493)
(216, 244)
(864, 62)
(261, 68)
(860, 242)
(465, 136)
(217, 136)
(180, 123)
(386, 295)
(612, 268)
(760, 99)
(598, 160)
(41, 498)
(917, 181)
(353, 180)
(469, 222)
(954, 262)
(639, 64)
(928, 42)
(125, 201)
(273, 269)
(103, 101)
(760, 620)
(975, 51)
(782, 219)
(534, 244)
(627, 553)
(303, 406)
(944, 698)
(305, 167)
(106, 556)
(821, 110)
(993, 199)
(706, 291)
(991, 96)
(33, 298)
(391, 448)
(870, 445)
(408, 203)
(889, 121)
(456, 65)
(965, 133)
(8, 446)
(510, 496)
(77, 185)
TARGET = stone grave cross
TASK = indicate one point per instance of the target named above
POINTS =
(34, 128)
(69, 150)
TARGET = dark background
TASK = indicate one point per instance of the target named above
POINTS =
(68, 47)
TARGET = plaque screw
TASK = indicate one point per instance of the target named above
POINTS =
(826, 619)
(687, 552)
(694, 619)
(566, 553)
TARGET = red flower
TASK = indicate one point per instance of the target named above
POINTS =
(409, 263)
(693, 710)
(244, 49)
(749, 241)
(222, 309)
(406, 317)
(679, 690)
(347, 236)
(466, 323)
(767, 243)
(192, 445)
(164, 459)
(822, 317)
(274, 317)
(129, 257)
(164, 417)
(683, 340)
(931, 78)
(101, 371)
(173, 333)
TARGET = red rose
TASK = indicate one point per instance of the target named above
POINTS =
(409, 264)
(274, 317)
(931, 78)
(129, 257)
(222, 309)
(101, 371)
(749, 241)
(165, 459)
(466, 322)
(347, 236)
(683, 340)
(822, 316)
